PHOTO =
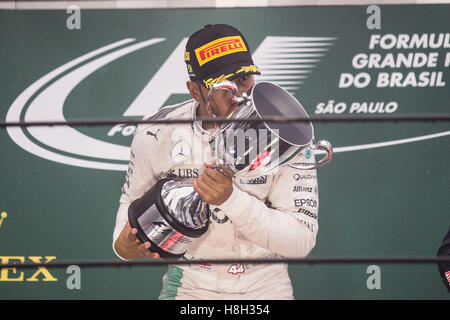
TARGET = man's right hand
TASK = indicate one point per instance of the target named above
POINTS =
(128, 246)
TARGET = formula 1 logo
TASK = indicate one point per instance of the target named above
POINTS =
(286, 61)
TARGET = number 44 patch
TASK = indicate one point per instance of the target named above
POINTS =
(236, 269)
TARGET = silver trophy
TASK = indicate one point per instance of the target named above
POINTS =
(171, 215)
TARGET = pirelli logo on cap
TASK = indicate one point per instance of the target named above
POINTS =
(219, 48)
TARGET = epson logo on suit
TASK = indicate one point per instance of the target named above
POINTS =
(305, 202)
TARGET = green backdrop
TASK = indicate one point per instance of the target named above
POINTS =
(387, 200)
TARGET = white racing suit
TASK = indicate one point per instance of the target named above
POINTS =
(271, 216)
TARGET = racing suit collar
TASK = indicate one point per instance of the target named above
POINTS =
(196, 125)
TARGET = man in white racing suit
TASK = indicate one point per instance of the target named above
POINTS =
(274, 215)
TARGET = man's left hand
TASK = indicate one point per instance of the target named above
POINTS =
(213, 186)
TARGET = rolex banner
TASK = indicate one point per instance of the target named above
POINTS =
(384, 194)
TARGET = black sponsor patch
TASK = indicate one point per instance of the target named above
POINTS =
(308, 213)
(257, 180)
(183, 173)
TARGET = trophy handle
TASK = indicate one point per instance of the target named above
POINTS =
(319, 145)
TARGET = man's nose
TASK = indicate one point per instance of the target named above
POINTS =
(242, 89)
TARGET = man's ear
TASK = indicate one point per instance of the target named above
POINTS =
(194, 91)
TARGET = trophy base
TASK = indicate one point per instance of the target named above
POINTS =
(168, 237)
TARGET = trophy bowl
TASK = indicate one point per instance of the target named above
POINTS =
(254, 148)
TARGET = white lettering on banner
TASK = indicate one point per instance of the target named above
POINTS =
(410, 60)
(401, 60)
(405, 41)
(373, 107)
(324, 108)
(411, 79)
(355, 107)
(360, 80)
(394, 80)
(126, 131)
(447, 60)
